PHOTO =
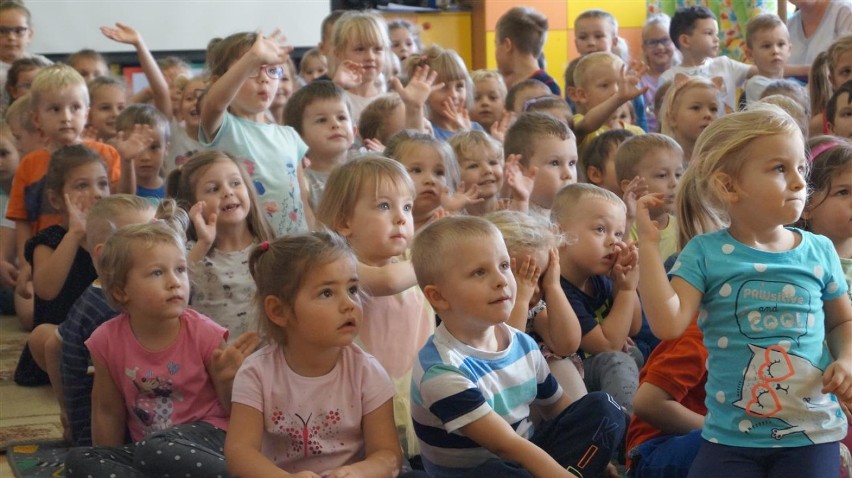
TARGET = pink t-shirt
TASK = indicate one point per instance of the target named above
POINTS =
(166, 388)
(312, 423)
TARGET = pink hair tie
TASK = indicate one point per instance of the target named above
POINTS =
(264, 246)
(821, 149)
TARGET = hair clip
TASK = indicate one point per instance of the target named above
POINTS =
(264, 246)
(816, 151)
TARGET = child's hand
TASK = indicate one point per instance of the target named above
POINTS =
(527, 273)
(349, 74)
(271, 50)
(521, 184)
(305, 474)
(499, 127)
(459, 116)
(76, 216)
(461, 198)
(636, 189)
(419, 87)
(8, 274)
(227, 360)
(131, 144)
(122, 34)
(343, 472)
(625, 270)
(205, 230)
(647, 229)
(628, 84)
(372, 144)
(553, 271)
(439, 213)
(24, 287)
(837, 379)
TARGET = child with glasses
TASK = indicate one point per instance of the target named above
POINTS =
(16, 33)
(245, 70)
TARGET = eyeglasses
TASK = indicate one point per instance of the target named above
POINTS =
(273, 72)
(658, 42)
(15, 31)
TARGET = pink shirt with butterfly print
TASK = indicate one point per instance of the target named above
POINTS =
(165, 388)
(312, 423)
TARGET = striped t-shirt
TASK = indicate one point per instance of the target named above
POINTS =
(454, 385)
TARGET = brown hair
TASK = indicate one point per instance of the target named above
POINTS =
(373, 122)
(525, 27)
(228, 50)
(520, 139)
(632, 150)
(21, 65)
(765, 21)
(66, 159)
(399, 145)
(294, 110)
(831, 161)
(432, 244)
(596, 152)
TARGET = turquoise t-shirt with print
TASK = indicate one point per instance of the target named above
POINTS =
(764, 328)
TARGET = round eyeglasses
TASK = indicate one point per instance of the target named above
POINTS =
(274, 72)
(657, 42)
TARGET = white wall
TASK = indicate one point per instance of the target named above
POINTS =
(65, 26)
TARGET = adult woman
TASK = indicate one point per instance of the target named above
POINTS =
(815, 25)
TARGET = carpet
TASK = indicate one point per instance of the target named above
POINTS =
(42, 459)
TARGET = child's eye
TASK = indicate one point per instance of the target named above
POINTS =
(478, 273)
(554, 162)
(384, 206)
(236, 183)
(156, 273)
(354, 290)
(842, 192)
(505, 266)
(326, 293)
(415, 170)
(780, 168)
(600, 229)
(572, 163)
(103, 184)
(407, 208)
(619, 234)
(180, 269)
(472, 166)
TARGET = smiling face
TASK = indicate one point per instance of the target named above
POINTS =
(327, 128)
(426, 168)
(157, 285)
(107, 102)
(556, 160)
(224, 192)
(657, 47)
(484, 168)
(453, 91)
(189, 109)
(770, 49)
(371, 57)
(593, 34)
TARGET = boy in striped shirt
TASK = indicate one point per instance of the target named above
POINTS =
(476, 378)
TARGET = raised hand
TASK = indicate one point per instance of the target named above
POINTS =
(271, 50)
(458, 116)
(461, 198)
(628, 84)
(349, 74)
(130, 144)
(553, 271)
(521, 184)
(227, 360)
(419, 87)
(372, 144)
(499, 127)
(625, 270)
(647, 229)
(634, 190)
(76, 216)
(205, 229)
(123, 34)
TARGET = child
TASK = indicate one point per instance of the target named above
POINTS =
(520, 93)
(554, 106)
(432, 166)
(601, 86)
(768, 46)
(480, 164)
(15, 36)
(369, 200)
(19, 117)
(489, 96)
(659, 53)
(108, 98)
(326, 43)
(287, 84)
(144, 157)
(311, 376)
(226, 225)
(658, 161)
(185, 124)
(88, 63)
(838, 112)
(599, 278)
(404, 38)
(831, 69)
(173, 68)
(245, 71)
(20, 78)
(541, 309)
(690, 105)
(61, 266)
(768, 284)
(9, 159)
(597, 160)
(476, 379)
(547, 153)
(320, 114)
(162, 370)
(447, 106)
(792, 108)
(313, 65)
(382, 118)
(520, 35)
(360, 44)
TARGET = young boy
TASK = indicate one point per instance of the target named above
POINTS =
(319, 113)
(768, 46)
(599, 278)
(476, 378)
(838, 112)
(520, 35)
(597, 159)
(143, 154)
(523, 91)
(88, 63)
(545, 149)
(489, 98)
(600, 88)
(658, 161)
(16, 33)
(19, 117)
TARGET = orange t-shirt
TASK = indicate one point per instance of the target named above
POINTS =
(28, 197)
(678, 367)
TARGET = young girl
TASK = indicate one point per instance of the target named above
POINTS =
(20, 77)
(144, 138)
(108, 97)
(369, 202)
(226, 224)
(830, 69)
(770, 300)
(185, 123)
(61, 266)
(541, 308)
(690, 105)
(313, 65)
(489, 97)
(287, 85)
(480, 161)
(360, 43)
(447, 106)
(161, 369)
(311, 402)
(245, 69)
(404, 38)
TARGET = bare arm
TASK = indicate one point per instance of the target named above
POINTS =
(655, 406)
(837, 378)
(383, 454)
(108, 413)
(52, 266)
(242, 445)
(8, 256)
(226, 361)
(387, 280)
(628, 88)
(23, 233)
(557, 325)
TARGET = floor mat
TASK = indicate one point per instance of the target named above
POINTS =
(41, 459)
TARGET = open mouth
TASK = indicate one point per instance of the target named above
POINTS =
(230, 207)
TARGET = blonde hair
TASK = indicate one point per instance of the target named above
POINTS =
(365, 26)
(399, 147)
(21, 112)
(792, 107)
(469, 145)
(700, 205)
(349, 180)
(297, 254)
(102, 217)
(679, 85)
(633, 149)
(762, 22)
(481, 75)
(446, 63)
(222, 53)
(101, 82)
(430, 250)
(572, 197)
(821, 83)
(56, 78)
(374, 119)
(313, 53)
(592, 60)
(117, 256)
(521, 136)
(524, 233)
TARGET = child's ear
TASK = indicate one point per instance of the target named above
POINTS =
(748, 52)
(119, 295)
(434, 296)
(580, 96)
(276, 310)
(683, 41)
(571, 92)
(725, 187)
(55, 200)
(594, 175)
(342, 228)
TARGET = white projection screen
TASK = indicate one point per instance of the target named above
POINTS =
(65, 26)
